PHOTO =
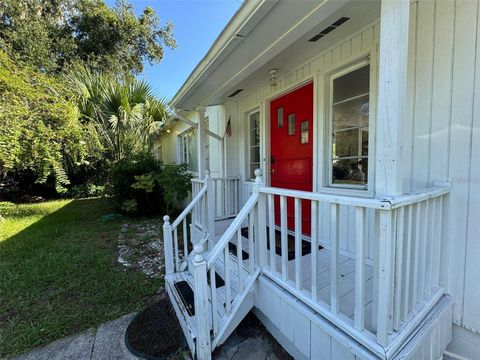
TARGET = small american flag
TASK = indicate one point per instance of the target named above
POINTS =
(228, 130)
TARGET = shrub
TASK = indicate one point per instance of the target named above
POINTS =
(142, 186)
(85, 191)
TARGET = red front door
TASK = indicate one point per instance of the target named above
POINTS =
(291, 130)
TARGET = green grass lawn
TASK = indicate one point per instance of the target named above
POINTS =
(59, 274)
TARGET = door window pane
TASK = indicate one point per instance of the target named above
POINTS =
(291, 124)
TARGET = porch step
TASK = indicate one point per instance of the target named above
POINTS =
(180, 287)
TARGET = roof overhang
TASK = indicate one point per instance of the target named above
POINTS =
(237, 29)
(264, 34)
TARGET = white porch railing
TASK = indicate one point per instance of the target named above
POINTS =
(176, 255)
(406, 266)
(391, 290)
(227, 195)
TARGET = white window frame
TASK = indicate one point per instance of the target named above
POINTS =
(249, 145)
(349, 189)
(183, 155)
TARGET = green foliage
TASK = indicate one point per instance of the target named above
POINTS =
(54, 35)
(142, 186)
(124, 110)
(144, 182)
(129, 184)
(85, 191)
(39, 127)
(175, 180)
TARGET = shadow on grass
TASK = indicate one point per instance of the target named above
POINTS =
(59, 274)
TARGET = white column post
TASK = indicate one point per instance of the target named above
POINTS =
(203, 345)
(391, 106)
(392, 86)
(201, 141)
(210, 204)
(168, 245)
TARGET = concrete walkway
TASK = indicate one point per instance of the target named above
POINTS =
(105, 343)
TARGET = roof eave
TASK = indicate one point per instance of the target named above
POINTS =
(242, 22)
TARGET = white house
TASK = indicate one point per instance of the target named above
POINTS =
(337, 193)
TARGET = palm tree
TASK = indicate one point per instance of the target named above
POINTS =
(125, 110)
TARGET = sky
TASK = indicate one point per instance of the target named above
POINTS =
(197, 23)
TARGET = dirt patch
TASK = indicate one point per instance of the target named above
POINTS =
(140, 246)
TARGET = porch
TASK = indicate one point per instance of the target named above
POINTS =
(371, 268)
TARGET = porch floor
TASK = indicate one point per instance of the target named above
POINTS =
(346, 282)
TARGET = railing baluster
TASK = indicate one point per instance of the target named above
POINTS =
(334, 259)
(438, 241)
(298, 243)
(431, 243)
(416, 255)
(385, 261)
(213, 296)
(240, 259)
(228, 295)
(423, 254)
(314, 247)
(399, 269)
(251, 245)
(407, 256)
(271, 232)
(284, 238)
(236, 185)
(359, 315)
(175, 246)
(225, 200)
(185, 239)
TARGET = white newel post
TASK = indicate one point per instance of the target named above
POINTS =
(391, 106)
(261, 228)
(210, 204)
(168, 245)
(203, 346)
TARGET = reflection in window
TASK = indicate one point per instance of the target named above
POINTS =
(350, 112)
(254, 143)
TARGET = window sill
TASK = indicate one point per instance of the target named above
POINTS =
(346, 192)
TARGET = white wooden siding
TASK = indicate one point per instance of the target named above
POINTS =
(443, 142)
(357, 45)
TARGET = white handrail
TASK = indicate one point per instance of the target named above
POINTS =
(232, 229)
(329, 198)
(189, 207)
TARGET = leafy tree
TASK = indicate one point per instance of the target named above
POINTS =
(39, 127)
(53, 35)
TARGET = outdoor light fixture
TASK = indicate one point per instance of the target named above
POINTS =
(273, 77)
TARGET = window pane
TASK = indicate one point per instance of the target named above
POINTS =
(351, 84)
(352, 113)
(255, 154)
(350, 171)
(192, 152)
(255, 136)
(364, 141)
(345, 143)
